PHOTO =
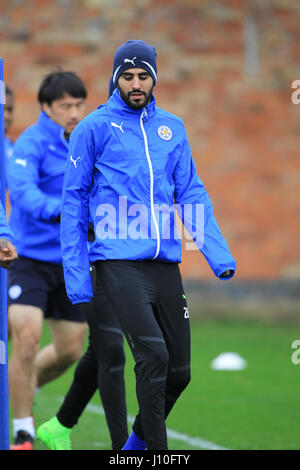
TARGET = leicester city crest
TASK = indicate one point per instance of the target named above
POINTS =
(165, 132)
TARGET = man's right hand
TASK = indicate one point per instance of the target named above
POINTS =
(8, 253)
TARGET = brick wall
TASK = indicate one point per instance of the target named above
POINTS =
(242, 125)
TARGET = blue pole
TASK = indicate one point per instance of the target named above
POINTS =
(4, 416)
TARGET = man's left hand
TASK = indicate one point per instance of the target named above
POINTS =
(8, 253)
(227, 273)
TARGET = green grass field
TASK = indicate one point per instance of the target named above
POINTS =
(256, 408)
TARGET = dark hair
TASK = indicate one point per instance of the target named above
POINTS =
(8, 91)
(56, 84)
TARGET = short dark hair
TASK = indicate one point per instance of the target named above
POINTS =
(56, 84)
(8, 91)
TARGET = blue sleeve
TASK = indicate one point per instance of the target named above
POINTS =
(23, 180)
(75, 215)
(196, 212)
(5, 231)
(8, 151)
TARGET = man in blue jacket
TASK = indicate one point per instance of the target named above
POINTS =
(129, 167)
(8, 252)
(35, 282)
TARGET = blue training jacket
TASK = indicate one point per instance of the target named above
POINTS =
(8, 148)
(35, 179)
(126, 169)
(8, 151)
(5, 231)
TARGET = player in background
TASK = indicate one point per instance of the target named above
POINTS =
(64, 94)
(36, 285)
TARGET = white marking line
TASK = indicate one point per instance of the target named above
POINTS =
(99, 444)
(192, 441)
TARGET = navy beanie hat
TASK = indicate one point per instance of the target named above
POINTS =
(134, 54)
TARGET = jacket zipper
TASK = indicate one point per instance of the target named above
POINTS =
(144, 114)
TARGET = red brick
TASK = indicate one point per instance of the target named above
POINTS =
(244, 133)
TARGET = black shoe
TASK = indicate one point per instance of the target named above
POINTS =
(23, 441)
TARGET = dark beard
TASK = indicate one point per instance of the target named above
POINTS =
(125, 97)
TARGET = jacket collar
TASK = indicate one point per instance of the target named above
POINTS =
(49, 125)
(117, 105)
(52, 128)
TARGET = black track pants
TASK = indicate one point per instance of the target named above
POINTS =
(101, 366)
(149, 301)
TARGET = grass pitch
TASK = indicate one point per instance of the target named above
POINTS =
(255, 408)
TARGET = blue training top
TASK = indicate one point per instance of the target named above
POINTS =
(5, 231)
(127, 168)
(35, 179)
(8, 151)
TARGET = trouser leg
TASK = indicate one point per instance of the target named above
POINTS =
(171, 311)
(107, 342)
(102, 367)
(81, 390)
(175, 323)
(132, 299)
